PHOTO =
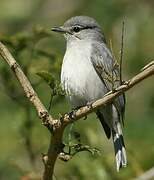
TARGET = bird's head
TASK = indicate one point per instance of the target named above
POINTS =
(80, 28)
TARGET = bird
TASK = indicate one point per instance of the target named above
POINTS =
(88, 72)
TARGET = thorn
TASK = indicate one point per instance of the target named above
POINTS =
(44, 158)
(85, 118)
(64, 156)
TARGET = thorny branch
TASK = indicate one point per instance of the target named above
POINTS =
(55, 126)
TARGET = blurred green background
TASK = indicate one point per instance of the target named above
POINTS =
(25, 29)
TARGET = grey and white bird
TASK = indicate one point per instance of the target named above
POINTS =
(88, 73)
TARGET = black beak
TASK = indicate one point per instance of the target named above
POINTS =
(59, 29)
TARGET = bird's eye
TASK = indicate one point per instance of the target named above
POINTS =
(76, 29)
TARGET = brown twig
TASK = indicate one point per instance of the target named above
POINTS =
(121, 51)
(83, 111)
(57, 127)
(148, 175)
(28, 90)
(43, 114)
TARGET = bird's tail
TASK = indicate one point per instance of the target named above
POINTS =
(119, 147)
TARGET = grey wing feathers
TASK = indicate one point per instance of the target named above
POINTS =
(103, 64)
(108, 72)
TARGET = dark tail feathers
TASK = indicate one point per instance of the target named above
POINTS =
(118, 141)
(119, 147)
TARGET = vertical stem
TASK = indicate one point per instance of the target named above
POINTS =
(122, 51)
(50, 158)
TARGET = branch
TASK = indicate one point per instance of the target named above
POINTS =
(43, 114)
(149, 174)
(121, 51)
(57, 127)
(147, 71)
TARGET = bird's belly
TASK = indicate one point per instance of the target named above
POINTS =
(80, 80)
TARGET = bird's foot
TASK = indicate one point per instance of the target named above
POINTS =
(72, 114)
(89, 104)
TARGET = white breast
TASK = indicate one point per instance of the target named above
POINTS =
(78, 76)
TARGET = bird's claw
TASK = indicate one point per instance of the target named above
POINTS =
(89, 104)
(72, 114)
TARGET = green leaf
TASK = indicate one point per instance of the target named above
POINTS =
(81, 147)
(48, 78)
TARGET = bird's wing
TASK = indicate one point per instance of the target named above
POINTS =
(108, 71)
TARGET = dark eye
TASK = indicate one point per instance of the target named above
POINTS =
(76, 29)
